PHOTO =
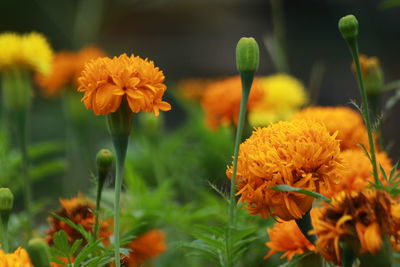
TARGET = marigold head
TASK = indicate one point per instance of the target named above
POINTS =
(298, 153)
(286, 237)
(347, 122)
(363, 217)
(147, 246)
(358, 171)
(221, 101)
(30, 51)
(65, 69)
(107, 81)
(81, 212)
(283, 95)
(18, 258)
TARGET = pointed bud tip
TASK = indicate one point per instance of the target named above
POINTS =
(6, 199)
(247, 55)
(348, 27)
(104, 160)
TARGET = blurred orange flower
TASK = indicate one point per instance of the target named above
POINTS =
(106, 82)
(286, 237)
(358, 171)
(298, 153)
(19, 258)
(80, 211)
(364, 217)
(65, 260)
(147, 246)
(194, 88)
(65, 69)
(221, 101)
(348, 123)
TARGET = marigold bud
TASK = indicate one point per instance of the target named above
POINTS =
(104, 160)
(348, 27)
(6, 199)
(38, 251)
(247, 55)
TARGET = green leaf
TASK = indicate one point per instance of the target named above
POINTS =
(393, 171)
(77, 227)
(288, 188)
(60, 240)
(383, 173)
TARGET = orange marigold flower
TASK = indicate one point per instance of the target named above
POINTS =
(63, 259)
(65, 69)
(358, 171)
(286, 237)
(298, 153)
(363, 217)
(80, 211)
(221, 101)
(19, 258)
(193, 88)
(107, 81)
(147, 246)
(348, 123)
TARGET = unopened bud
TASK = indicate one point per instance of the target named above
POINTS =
(247, 55)
(6, 199)
(104, 160)
(348, 26)
(39, 253)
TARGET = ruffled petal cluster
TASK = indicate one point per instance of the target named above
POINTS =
(30, 51)
(65, 69)
(19, 258)
(298, 153)
(81, 212)
(347, 122)
(147, 246)
(221, 101)
(106, 82)
(363, 217)
(286, 237)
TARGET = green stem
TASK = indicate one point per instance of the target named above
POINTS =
(305, 226)
(4, 227)
(247, 80)
(22, 140)
(374, 101)
(365, 110)
(279, 34)
(98, 201)
(120, 144)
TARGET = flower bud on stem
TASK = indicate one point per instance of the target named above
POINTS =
(39, 253)
(6, 205)
(119, 125)
(348, 26)
(104, 162)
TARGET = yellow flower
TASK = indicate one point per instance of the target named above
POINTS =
(221, 101)
(298, 153)
(286, 237)
(30, 51)
(106, 82)
(358, 171)
(19, 258)
(363, 217)
(348, 123)
(283, 95)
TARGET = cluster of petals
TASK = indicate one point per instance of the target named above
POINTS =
(19, 258)
(346, 121)
(286, 237)
(148, 245)
(221, 101)
(297, 153)
(365, 217)
(107, 82)
(358, 171)
(81, 212)
(29, 51)
(65, 69)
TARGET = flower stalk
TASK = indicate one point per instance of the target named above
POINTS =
(348, 26)
(119, 125)
(6, 205)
